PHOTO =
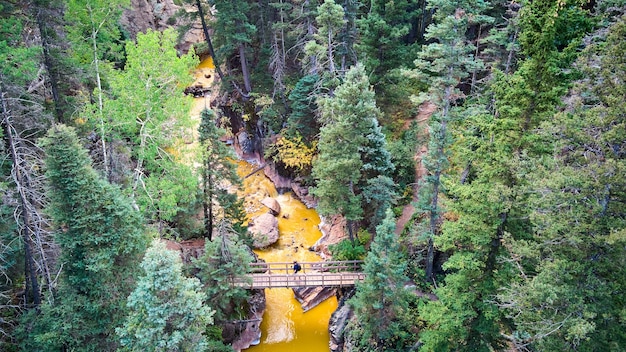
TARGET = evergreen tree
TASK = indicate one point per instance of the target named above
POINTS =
(443, 64)
(348, 35)
(48, 16)
(302, 120)
(321, 50)
(382, 302)
(100, 238)
(166, 310)
(384, 36)
(218, 174)
(234, 32)
(352, 149)
(565, 297)
(487, 200)
(225, 258)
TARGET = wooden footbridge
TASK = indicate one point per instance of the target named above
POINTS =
(326, 274)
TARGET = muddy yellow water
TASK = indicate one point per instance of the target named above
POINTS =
(285, 328)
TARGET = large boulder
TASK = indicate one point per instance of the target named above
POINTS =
(264, 229)
(272, 204)
(310, 297)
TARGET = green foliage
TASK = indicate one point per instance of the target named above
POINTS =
(347, 250)
(402, 152)
(93, 30)
(100, 237)
(225, 258)
(149, 110)
(384, 36)
(17, 66)
(302, 119)
(443, 64)
(166, 311)
(574, 263)
(321, 51)
(218, 175)
(232, 26)
(352, 149)
(383, 320)
(97, 228)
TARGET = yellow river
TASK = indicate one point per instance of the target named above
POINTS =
(285, 328)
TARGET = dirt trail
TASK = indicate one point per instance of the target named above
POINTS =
(425, 111)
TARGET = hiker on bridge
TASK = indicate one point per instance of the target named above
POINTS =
(296, 267)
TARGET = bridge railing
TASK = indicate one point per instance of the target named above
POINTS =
(287, 267)
(300, 280)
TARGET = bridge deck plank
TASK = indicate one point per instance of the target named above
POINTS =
(264, 280)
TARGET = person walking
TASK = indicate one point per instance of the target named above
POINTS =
(296, 267)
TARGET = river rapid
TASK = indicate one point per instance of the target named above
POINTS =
(285, 328)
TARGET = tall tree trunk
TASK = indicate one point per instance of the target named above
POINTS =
(331, 59)
(31, 286)
(244, 68)
(207, 203)
(207, 37)
(53, 71)
(434, 203)
(96, 62)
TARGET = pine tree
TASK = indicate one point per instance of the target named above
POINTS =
(382, 302)
(564, 298)
(384, 36)
(444, 64)
(234, 32)
(225, 258)
(48, 16)
(100, 238)
(321, 50)
(352, 148)
(166, 311)
(487, 197)
(218, 174)
(302, 120)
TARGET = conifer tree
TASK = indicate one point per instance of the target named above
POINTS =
(322, 50)
(564, 297)
(166, 311)
(352, 148)
(443, 64)
(225, 258)
(218, 174)
(234, 33)
(381, 303)
(487, 199)
(384, 32)
(302, 120)
(100, 238)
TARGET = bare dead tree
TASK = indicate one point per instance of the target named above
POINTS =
(27, 198)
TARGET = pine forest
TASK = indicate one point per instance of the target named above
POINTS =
(471, 153)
